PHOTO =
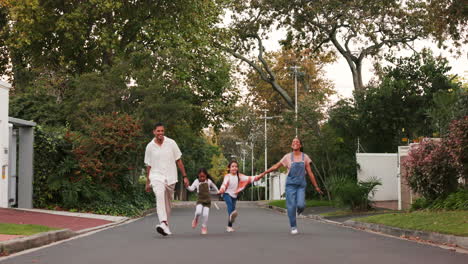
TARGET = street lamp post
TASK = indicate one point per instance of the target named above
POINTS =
(295, 68)
(252, 168)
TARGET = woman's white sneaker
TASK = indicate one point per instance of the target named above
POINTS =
(229, 229)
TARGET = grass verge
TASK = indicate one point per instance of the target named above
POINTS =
(349, 212)
(309, 203)
(26, 230)
(445, 222)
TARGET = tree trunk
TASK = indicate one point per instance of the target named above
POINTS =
(356, 71)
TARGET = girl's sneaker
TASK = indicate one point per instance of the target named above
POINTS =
(233, 216)
(195, 222)
(229, 229)
(204, 230)
(294, 231)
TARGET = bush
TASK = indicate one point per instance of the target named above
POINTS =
(50, 157)
(455, 201)
(93, 171)
(434, 169)
(348, 192)
(457, 143)
(131, 203)
(420, 203)
(109, 150)
(431, 171)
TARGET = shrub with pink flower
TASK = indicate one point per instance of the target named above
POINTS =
(433, 168)
(430, 170)
(457, 142)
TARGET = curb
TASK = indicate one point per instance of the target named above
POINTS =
(87, 230)
(41, 239)
(37, 240)
(275, 208)
(147, 212)
(431, 237)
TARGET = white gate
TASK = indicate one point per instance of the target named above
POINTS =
(383, 166)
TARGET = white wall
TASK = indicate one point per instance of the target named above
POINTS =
(382, 166)
(4, 87)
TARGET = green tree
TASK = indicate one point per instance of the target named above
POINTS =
(447, 19)
(397, 106)
(354, 29)
(74, 60)
(84, 53)
(82, 36)
(218, 167)
(313, 94)
(3, 36)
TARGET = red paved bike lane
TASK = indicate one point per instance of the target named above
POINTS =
(15, 216)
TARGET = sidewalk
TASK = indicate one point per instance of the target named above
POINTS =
(69, 224)
(353, 222)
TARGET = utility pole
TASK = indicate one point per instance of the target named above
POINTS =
(251, 169)
(266, 148)
(243, 161)
(295, 68)
(251, 146)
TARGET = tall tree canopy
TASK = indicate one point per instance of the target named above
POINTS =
(142, 57)
(76, 63)
(355, 29)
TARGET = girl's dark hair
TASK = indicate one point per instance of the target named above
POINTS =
(208, 176)
(229, 166)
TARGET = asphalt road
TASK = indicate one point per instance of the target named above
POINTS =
(262, 236)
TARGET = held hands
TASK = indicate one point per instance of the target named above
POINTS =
(186, 182)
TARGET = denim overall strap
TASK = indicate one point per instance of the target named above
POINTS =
(296, 175)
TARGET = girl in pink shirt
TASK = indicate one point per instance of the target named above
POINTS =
(233, 183)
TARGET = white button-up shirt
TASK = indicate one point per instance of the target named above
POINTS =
(162, 160)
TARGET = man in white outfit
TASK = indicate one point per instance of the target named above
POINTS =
(161, 157)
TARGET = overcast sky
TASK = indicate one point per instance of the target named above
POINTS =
(340, 73)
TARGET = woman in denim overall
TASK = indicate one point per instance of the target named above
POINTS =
(295, 190)
(295, 181)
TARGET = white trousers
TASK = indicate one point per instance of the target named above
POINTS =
(164, 194)
(204, 211)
